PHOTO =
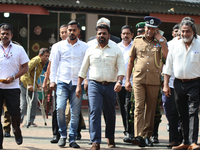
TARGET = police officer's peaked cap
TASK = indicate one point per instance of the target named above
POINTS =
(152, 21)
(140, 25)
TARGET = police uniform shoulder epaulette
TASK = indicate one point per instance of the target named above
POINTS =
(139, 36)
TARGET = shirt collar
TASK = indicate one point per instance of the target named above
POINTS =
(77, 42)
(193, 40)
(10, 44)
(107, 46)
(122, 43)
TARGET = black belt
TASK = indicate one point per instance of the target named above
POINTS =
(103, 82)
(187, 80)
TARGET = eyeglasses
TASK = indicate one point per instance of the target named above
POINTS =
(140, 31)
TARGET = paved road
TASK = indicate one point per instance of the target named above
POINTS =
(37, 138)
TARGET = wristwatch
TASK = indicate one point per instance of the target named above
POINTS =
(120, 82)
(161, 40)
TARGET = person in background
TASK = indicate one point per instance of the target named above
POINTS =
(27, 82)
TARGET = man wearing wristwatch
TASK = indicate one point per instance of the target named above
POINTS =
(104, 81)
(27, 83)
(13, 64)
(146, 50)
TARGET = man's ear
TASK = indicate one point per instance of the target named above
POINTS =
(109, 36)
(11, 35)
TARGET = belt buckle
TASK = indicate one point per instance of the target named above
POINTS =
(182, 80)
(104, 83)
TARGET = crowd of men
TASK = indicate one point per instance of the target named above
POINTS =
(109, 69)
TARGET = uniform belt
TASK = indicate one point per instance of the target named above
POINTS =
(187, 80)
(103, 82)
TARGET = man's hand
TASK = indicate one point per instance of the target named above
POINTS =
(166, 90)
(117, 87)
(158, 36)
(52, 86)
(128, 86)
(86, 86)
(8, 80)
(78, 91)
(30, 87)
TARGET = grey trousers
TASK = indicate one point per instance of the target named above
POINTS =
(23, 103)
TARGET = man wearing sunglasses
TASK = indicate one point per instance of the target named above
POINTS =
(140, 28)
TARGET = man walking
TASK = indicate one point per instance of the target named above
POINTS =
(13, 64)
(124, 97)
(27, 82)
(68, 58)
(146, 78)
(186, 83)
(104, 80)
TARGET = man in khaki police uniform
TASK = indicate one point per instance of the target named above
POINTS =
(146, 50)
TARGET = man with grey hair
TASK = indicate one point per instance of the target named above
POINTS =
(113, 39)
(186, 83)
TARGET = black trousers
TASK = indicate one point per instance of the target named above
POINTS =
(187, 101)
(124, 102)
(174, 135)
(12, 99)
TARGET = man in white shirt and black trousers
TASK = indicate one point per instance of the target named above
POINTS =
(106, 73)
(68, 58)
(184, 58)
(13, 64)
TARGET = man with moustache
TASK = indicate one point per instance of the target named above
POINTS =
(56, 134)
(27, 82)
(104, 80)
(68, 58)
(186, 83)
(146, 50)
(13, 64)
(124, 97)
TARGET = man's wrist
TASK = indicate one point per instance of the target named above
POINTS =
(119, 81)
(13, 78)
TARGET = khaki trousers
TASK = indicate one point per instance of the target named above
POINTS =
(7, 120)
(146, 97)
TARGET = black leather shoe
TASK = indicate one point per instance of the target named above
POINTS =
(55, 139)
(74, 145)
(138, 141)
(78, 137)
(154, 139)
(148, 142)
(127, 138)
(7, 134)
(62, 142)
(19, 140)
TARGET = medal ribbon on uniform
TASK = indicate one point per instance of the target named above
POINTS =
(6, 54)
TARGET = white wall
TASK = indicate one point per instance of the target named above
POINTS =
(91, 20)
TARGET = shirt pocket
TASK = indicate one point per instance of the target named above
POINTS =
(110, 59)
(141, 51)
(195, 57)
(95, 60)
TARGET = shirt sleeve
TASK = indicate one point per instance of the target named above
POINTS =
(85, 66)
(120, 63)
(31, 66)
(23, 57)
(132, 51)
(55, 59)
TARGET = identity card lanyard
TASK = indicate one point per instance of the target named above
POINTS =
(6, 54)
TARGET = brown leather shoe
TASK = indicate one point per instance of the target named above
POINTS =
(180, 147)
(111, 143)
(194, 146)
(171, 144)
(95, 146)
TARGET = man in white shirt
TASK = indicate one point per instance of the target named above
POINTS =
(13, 64)
(102, 59)
(68, 58)
(184, 59)
(124, 97)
